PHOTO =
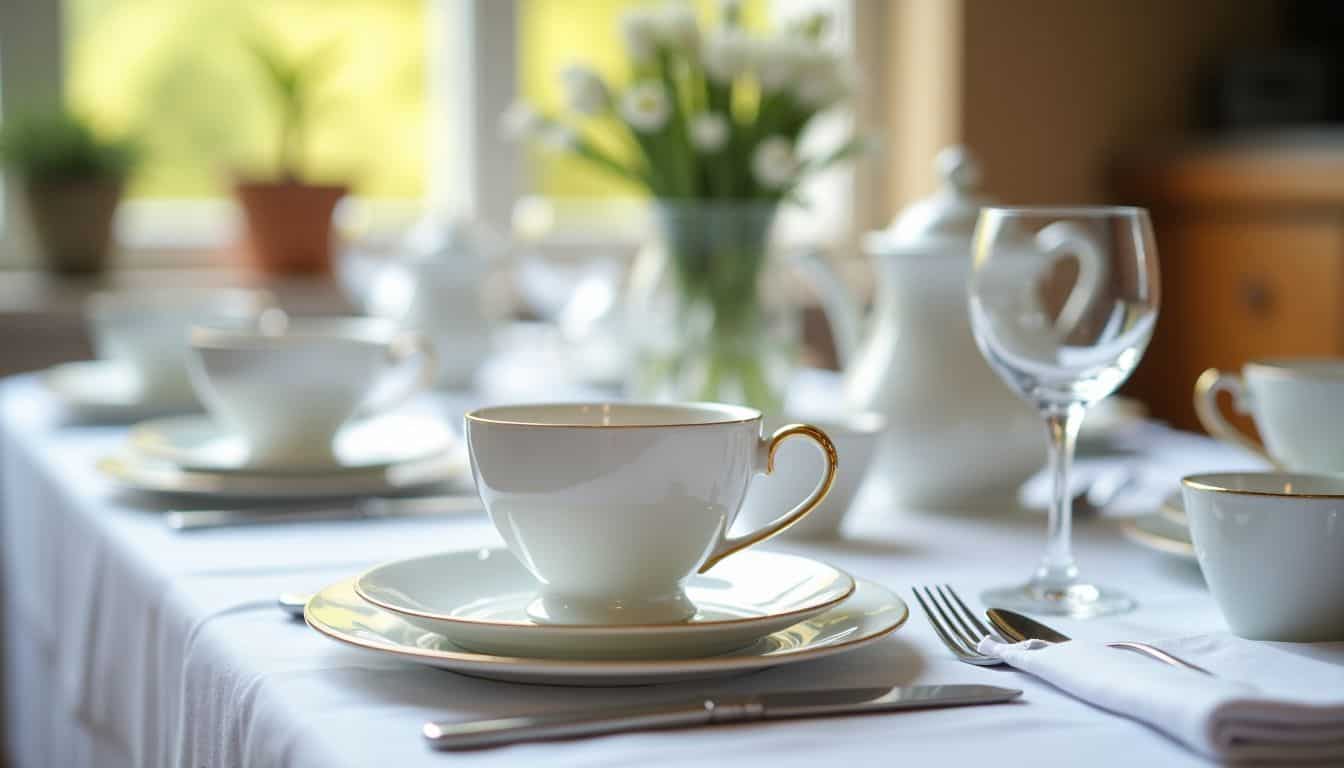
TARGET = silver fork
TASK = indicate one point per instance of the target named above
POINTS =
(955, 628)
(961, 632)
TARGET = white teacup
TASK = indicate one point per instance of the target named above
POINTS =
(796, 468)
(1271, 546)
(289, 389)
(1297, 405)
(612, 506)
(147, 331)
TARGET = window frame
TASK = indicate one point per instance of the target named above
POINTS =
(476, 43)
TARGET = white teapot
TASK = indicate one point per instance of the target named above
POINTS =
(956, 437)
(438, 282)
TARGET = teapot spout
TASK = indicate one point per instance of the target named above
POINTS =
(842, 310)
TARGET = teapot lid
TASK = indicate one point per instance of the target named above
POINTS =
(949, 212)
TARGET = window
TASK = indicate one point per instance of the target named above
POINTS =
(408, 105)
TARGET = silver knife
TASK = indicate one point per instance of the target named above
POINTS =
(1017, 628)
(360, 509)
(477, 734)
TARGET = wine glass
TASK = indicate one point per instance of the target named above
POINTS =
(1063, 303)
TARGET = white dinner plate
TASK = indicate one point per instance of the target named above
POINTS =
(479, 601)
(198, 443)
(106, 390)
(869, 614)
(141, 473)
(1159, 533)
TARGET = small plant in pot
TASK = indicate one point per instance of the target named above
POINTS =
(70, 180)
(288, 217)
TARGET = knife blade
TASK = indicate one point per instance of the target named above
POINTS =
(1018, 628)
(478, 734)
(360, 509)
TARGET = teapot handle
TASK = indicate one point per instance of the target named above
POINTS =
(1067, 238)
(842, 310)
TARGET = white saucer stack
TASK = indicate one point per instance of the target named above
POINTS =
(468, 612)
(193, 456)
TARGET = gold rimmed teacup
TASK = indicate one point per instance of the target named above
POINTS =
(1271, 545)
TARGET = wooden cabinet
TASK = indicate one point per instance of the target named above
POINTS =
(1251, 241)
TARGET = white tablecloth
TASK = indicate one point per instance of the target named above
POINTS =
(127, 644)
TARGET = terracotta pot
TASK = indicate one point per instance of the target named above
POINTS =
(72, 222)
(289, 225)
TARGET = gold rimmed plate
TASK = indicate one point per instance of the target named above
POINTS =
(479, 600)
(870, 613)
(1159, 533)
(136, 472)
(107, 391)
(197, 443)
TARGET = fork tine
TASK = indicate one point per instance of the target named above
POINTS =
(959, 626)
(979, 626)
(963, 641)
(951, 644)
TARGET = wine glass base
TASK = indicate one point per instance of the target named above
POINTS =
(1079, 601)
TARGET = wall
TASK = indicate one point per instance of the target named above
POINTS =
(1047, 92)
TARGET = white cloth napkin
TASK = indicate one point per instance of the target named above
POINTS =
(1265, 702)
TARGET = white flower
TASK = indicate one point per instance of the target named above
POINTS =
(774, 164)
(776, 61)
(639, 29)
(646, 106)
(558, 137)
(520, 121)
(727, 55)
(676, 27)
(824, 79)
(709, 131)
(585, 91)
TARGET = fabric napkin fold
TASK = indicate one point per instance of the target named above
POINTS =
(1267, 702)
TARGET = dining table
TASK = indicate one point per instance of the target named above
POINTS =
(130, 644)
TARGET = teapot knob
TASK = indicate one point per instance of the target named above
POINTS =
(958, 169)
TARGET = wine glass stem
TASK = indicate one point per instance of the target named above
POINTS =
(1057, 570)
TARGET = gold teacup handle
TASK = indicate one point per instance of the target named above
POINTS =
(1207, 387)
(732, 544)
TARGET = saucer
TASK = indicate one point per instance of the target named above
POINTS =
(107, 390)
(1157, 532)
(1173, 509)
(479, 601)
(198, 443)
(141, 473)
(869, 614)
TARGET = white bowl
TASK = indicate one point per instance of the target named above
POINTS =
(1271, 546)
(797, 467)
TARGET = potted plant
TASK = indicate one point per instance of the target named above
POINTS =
(70, 180)
(710, 127)
(288, 216)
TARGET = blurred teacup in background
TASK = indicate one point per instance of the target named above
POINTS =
(1271, 546)
(796, 469)
(288, 387)
(1297, 406)
(146, 331)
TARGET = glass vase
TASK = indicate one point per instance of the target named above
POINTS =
(709, 312)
